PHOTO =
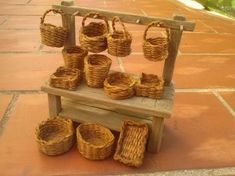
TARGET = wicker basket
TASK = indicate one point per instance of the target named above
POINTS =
(119, 42)
(66, 78)
(119, 86)
(55, 136)
(93, 37)
(94, 141)
(156, 49)
(96, 67)
(150, 86)
(52, 35)
(131, 143)
(74, 57)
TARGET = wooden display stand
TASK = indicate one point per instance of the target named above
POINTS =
(92, 105)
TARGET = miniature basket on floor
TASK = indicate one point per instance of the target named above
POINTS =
(94, 141)
(52, 35)
(96, 67)
(93, 37)
(150, 86)
(131, 143)
(55, 136)
(66, 78)
(156, 49)
(119, 85)
(74, 57)
(119, 42)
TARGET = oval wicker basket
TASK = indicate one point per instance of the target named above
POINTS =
(55, 136)
(66, 78)
(96, 67)
(156, 49)
(94, 141)
(119, 42)
(93, 37)
(119, 85)
(150, 86)
(74, 57)
(52, 35)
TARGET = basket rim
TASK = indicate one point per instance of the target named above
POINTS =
(159, 86)
(128, 38)
(84, 52)
(71, 78)
(109, 61)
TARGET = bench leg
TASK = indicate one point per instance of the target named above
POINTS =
(155, 137)
(54, 103)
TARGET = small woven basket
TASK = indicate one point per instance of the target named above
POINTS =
(150, 86)
(131, 143)
(119, 85)
(52, 35)
(65, 78)
(74, 57)
(94, 141)
(93, 37)
(156, 49)
(96, 67)
(119, 42)
(55, 136)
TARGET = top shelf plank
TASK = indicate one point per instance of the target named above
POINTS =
(129, 17)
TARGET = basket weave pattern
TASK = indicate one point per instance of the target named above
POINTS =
(93, 37)
(119, 85)
(119, 42)
(65, 78)
(96, 67)
(74, 57)
(55, 136)
(94, 141)
(156, 49)
(52, 35)
(131, 143)
(150, 86)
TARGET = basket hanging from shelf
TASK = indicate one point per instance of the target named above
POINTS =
(156, 49)
(51, 35)
(93, 37)
(119, 42)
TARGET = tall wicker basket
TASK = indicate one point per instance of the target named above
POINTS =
(119, 42)
(156, 49)
(93, 37)
(52, 35)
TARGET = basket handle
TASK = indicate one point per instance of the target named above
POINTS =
(51, 10)
(156, 24)
(96, 16)
(117, 19)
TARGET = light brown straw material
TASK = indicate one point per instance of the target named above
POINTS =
(55, 136)
(131, 143)
(52, 35)
(94, 141)
(156, 49)
(119, 85)
(93, 37)
(66, 78)
(74, 57)
(150, 86)
(119, 42)
(96, 67)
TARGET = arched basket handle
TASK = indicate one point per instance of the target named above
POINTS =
(117, 19)
(51, 10)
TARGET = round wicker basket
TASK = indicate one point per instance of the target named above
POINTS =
(55, 136)
(94, 141)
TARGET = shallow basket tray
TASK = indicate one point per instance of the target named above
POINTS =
(131, 143)
(150, 86)
(94, 141)
(55, 136)
(66, 78)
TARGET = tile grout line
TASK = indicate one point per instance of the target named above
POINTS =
(224, 103)
(8, 112)
(144, 13)
(120, 63)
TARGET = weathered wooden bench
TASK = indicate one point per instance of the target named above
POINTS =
(92, 105)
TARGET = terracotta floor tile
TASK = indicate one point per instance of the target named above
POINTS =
(230, 98)
(10, 2)
(19, 40)
(4, 102)
(2, 19)
(202, 27)
(23, 10)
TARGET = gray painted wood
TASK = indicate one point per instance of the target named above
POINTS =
(54, 103)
